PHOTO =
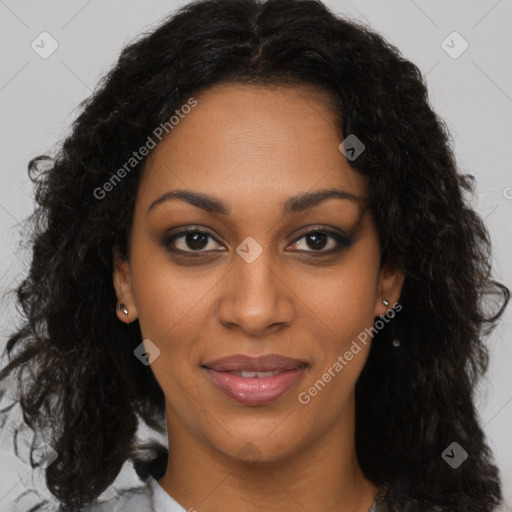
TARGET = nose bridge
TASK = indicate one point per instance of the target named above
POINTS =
(255, 297)
(256, 277)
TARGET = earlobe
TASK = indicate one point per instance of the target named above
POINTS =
(391, 280)
(122, 307)
(121, 276)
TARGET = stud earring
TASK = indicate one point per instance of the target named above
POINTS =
(123, 308)
(385, 302)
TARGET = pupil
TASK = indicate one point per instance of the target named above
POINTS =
(318, 239)
(197, 240)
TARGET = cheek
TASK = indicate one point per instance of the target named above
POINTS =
(344, 305)
(167, 296)
(343, 299)
(341, 354)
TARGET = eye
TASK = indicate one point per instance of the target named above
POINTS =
(194, 240)
(191, 240)
(319, 239)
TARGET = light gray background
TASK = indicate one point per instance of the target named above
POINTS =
(473, 93)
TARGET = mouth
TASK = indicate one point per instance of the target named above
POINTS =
(255, 380)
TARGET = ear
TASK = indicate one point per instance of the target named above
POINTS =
(389, 287)
(122, 280)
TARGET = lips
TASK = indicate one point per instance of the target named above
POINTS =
(255, 380)
(266, 363)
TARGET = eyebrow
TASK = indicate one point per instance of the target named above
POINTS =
(293, 204)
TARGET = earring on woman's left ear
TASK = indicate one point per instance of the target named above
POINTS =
(123, 308)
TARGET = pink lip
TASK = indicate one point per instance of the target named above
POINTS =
(256, 390)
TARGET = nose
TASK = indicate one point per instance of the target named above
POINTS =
(255, 297)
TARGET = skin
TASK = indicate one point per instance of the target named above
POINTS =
(253, 147)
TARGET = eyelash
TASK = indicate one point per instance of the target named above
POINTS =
(342, 242)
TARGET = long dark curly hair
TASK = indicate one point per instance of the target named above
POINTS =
(78, 381)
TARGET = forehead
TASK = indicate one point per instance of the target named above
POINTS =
(253, 143)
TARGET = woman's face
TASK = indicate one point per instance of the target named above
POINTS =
(274, 270)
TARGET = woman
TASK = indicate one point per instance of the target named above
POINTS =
(257, 231)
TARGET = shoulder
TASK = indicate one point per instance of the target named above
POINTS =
(127, 500)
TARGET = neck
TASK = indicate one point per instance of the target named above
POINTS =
(323, 476)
